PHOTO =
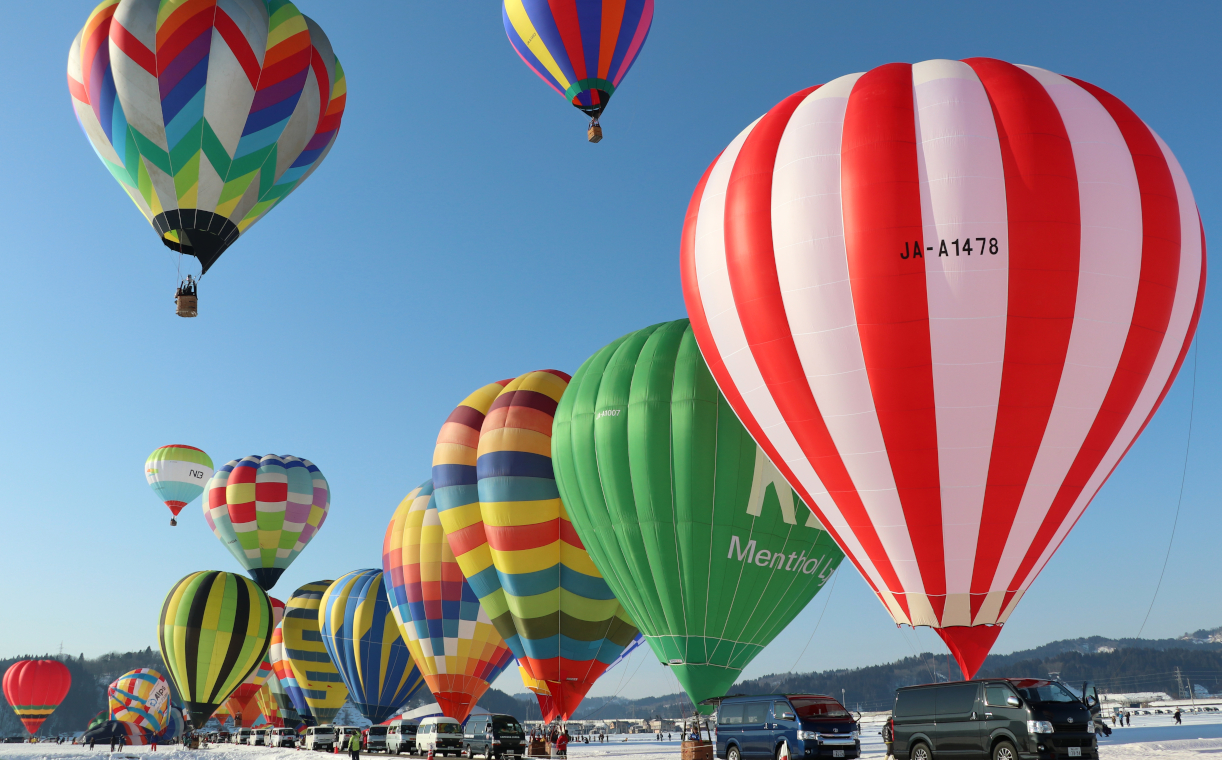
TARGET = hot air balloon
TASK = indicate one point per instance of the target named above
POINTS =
(292, 702)
(241, 703)
(991, 275)
(177, 474)
(321, 687)
(207, 114)
(581, 48)
(695, 531)
(34, 688)
(269, 704)
(112, 730)
(451, 638)
(518, 548)
(265, 510)
(214, 629)
(176, 725)
(99, 719)
(362, 638)
(140, 697)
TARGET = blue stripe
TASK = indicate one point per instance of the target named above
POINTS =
(519, 45)
(485, 582)
(184, 92)
(513, 464)
(633, 9)
(512, 488)
(540, 14)
(273, 114)
(453, 475)
(253, 143)
(190, 114)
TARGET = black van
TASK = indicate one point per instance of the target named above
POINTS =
(812, 725)
(493, 736)
(996, 718)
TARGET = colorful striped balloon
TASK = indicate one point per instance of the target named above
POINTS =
(321, 686)
(214, 629)
(207, 112)
(288, 694)
(514, 540)
(141, 697)
(945, 298)
(177, 474)
(265, 510)
(362, 637)
(451, 638)
(581, 48)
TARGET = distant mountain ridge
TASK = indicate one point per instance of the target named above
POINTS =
(1115, 665)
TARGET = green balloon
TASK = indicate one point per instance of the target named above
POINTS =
(698, 535)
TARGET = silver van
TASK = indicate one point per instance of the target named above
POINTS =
(320, 737)
(401, 737)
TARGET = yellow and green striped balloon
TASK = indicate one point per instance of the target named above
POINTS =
(319, 680)
(215, 628)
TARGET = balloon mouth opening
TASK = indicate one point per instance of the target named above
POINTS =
(266, 577)
(197, 233)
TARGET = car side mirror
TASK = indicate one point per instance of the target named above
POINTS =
(1014, 701)
(788, 716)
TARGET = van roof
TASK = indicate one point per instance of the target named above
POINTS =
(437, 719)
(1018, 682)
(745, 697)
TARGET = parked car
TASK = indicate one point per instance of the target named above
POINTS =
(493, 736)
(998, 719)
(374, 738)
(240, 736)
(810, 725)
(257, 738)
(401, 737)
(441, 734)
(281, 737)
(320, 737)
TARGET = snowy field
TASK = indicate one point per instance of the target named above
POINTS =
(1151, 736)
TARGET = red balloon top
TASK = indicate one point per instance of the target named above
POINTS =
(35, 688)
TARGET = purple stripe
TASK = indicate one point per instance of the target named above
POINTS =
(633, 11)
(638, 40)
(540, 14)
(284, 89)
(590, 26)
(190, 56)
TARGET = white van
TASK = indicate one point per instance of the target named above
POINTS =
(320, 737)
(401, 737)
(441, 734)
(241, 736)
(257, 738)
(282, 737)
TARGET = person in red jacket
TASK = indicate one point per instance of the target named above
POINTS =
(562, 744)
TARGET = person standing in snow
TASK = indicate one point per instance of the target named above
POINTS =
(354, 746)
(1178, 720)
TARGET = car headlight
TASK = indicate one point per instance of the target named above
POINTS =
(1039, 727)
(809, 735)
(1090, 726)
(855, 735)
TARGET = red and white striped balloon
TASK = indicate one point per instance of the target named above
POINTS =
(946, 298)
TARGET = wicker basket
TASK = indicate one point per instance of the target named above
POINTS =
(186, 306)
(696, 750)
(595, 133)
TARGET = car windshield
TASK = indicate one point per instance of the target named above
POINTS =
(1034, 690)
(449, 728)
(406, 729)
(508, 727)
(817, 708)
(377, 730)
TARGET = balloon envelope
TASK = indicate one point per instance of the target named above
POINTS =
(321, 686)
(947, 300)
(362, 638)
(451, 638)
(34, 688)
(178, 474)
(289, 697)
(214, 629)
(140, 697)
(265, 510)
(695, 531)
(581, 48)
(207, 119)
(514, 541)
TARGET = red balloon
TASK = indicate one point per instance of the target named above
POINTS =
(946, 298)
(34, 688)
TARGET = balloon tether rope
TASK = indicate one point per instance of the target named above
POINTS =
(826, 602)
(1179, 501)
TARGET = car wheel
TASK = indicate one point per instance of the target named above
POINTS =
(733, 754)
(1005, 751)
(920, 752)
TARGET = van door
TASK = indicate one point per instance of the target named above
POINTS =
(958, 722)
(1001, 717)
(755, 732)
(784, 724)
(729, 727)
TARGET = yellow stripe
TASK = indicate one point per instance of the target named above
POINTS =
(526, 30)
(516, 513)
(577, 559)
(515, 439)
(527, 560)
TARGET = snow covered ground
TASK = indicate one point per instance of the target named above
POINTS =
(1151, 736)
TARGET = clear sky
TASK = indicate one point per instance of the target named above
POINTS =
(462, 231)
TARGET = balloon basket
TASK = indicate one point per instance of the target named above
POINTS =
(537, 748)
(696, 749)
(594, 133)
(173, 522)
(186, 306)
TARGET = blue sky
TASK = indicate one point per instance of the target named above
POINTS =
(461, 231)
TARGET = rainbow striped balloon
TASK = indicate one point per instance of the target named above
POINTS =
(450, 636)
(514, 540)
(140, 697)
(284, 684)
(362, 637)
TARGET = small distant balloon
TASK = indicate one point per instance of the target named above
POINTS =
(178, 474)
